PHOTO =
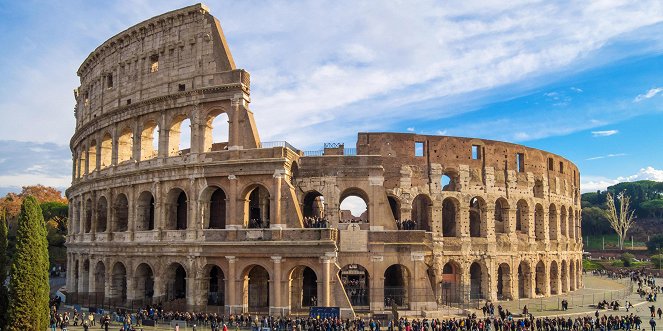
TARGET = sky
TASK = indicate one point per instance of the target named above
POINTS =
(582, 79)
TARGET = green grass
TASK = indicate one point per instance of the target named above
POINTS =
(590, 265)
(611, 242)
(620, 264)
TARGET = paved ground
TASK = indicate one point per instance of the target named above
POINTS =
(596, 289)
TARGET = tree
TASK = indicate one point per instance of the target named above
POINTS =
(655, 243)
(3, 269)
(28, 284)
(653, 207)
(57, 212)
(621, 219)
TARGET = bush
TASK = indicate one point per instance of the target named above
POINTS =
(627, 259)
(657, 260)
(655, 243)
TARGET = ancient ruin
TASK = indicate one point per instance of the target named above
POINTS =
(226, 222)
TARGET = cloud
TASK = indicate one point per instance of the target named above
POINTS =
(34, 163)
(410, 129)
(576, 89)
(605, 133)
(605, 156)
(595, 183)
(648, 95)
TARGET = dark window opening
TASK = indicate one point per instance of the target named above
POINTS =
(181, 87)
(551, 164)
(520, 162)
(154, 63)
(418, 148)
(109, 81)
(128, 101)
(561, 167)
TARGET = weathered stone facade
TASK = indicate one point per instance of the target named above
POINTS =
(222, 223)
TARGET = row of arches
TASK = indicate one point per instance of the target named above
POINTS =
(128, 143)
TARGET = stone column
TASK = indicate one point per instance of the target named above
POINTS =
(276, 302)
(275, 221)
(234, 220)
(463, 221)
(233, 118)
(232, 306)
(326, 279)
(164, 134)
(489, 222)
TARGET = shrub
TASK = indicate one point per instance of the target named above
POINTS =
(627, 259)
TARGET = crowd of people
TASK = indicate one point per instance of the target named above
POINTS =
(316, 222)
(406, 224)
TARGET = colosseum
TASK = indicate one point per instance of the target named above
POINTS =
(176, 200)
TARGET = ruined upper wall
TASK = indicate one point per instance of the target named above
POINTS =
(171, 53)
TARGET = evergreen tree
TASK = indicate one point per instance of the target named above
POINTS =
(28, 286)
(4, 262)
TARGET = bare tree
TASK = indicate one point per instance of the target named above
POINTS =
(620, 220)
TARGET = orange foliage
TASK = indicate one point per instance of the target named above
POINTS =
(12, 201)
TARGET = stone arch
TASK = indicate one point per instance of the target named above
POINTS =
(85, 276)
(554, 278)
(214, 201)
(145, 211)
(422, 212)
(77, 273)
(478, 280)
(552, 222)
(92, 156)
(215, 286)
(449, 181)
(176, 282)
(562, 222)
(524, 280)
(396, 286)
(217, 130)
(102, 214)
(88, 215)
(256, 290)
(450, 212)
(450, 284)
(504, 282)
(354, 196)
(501, 216)
(177, 207)
(313, 204)
(564, 277)
(303, 287)
(144, 282)
(357, 284)
(121, 209)
(118, 289)
(82, 159)
(539, 222)
(477, 217)
(394, 206)
(572, 275)
(99, 277)
(540, 279)
(106, 152)
(571, 223)
(256, 206)
(149, 137)
(179, 135)
(125, 145)
(522, 216)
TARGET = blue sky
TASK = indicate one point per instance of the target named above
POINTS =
(580, 79)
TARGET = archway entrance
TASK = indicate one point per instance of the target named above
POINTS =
(396, 284)
(314, 205)
(303, 288)
(217, 285)
(144, 283)
(118, 288)
(524, 281)
(476, 280)
(217, 210)
(421, 212)
(554, 278)
(257, 208)
(176, 283)
(256, 293)
(450, 289)
(504, 282)
(355, 280)
(449, 212)
(477, 217)
(540, 278)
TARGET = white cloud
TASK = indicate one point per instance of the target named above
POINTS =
(20, 180)
(648, 95)
(594, 183)
(605, 156)
(410, 129)
(605, 133)
(576, 89)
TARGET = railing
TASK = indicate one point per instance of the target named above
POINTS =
(271, 144)
(143, 236)
(314, 153)
(293, 235)
(349, 151)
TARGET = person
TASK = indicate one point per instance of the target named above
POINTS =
(53, 322)
(177, 327)
(652, 322)
(659, 312)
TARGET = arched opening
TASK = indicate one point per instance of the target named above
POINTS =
(99, 278)
(570, 221)
(501, 215)
(477, 217)
(176, 285)
(145, 212)
(552, 222)
(562, 221)
(449, 181)
(450, 291)
(179, 138)
(524, 281)
(88, 215)
(356, 282)
(395, 207)
(177, 207)
(396, 284)
(102, 214)
(354, 206)
(422, 209)
(77, 274)
(217, 209)
(449, 219)
(92, 157)
(216, 132)
(121, 208)
(504, 282)
(85, 277)
(149, 141)
(314, 205)
(522, 217)
(554, 278)
(144, 283)
(256, 289)
(257, 208)
(476, 281)
(118, 290)
(80, 171)
(572, 276)
(564, 277)
(303, 288)
(217, 285)
(106, 151)
(540, 278)
(539, 223)
(125, 144)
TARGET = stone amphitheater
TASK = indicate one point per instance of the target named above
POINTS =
(176, 200)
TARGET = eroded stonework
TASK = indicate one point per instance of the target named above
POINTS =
(221, 225)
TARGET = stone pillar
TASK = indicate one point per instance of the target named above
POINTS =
(463, 221)
(235, 220)
(108, 278)
(164, 134)
(233, 118)
(276, 308)
(232, 306)
(275, 221)
(92, 279)
(489, 222)
(326, 279)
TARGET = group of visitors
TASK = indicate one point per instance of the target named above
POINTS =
(316, 222)
(258, 223)
(406, 224)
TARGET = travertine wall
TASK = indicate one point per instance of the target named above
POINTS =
(220, 225)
